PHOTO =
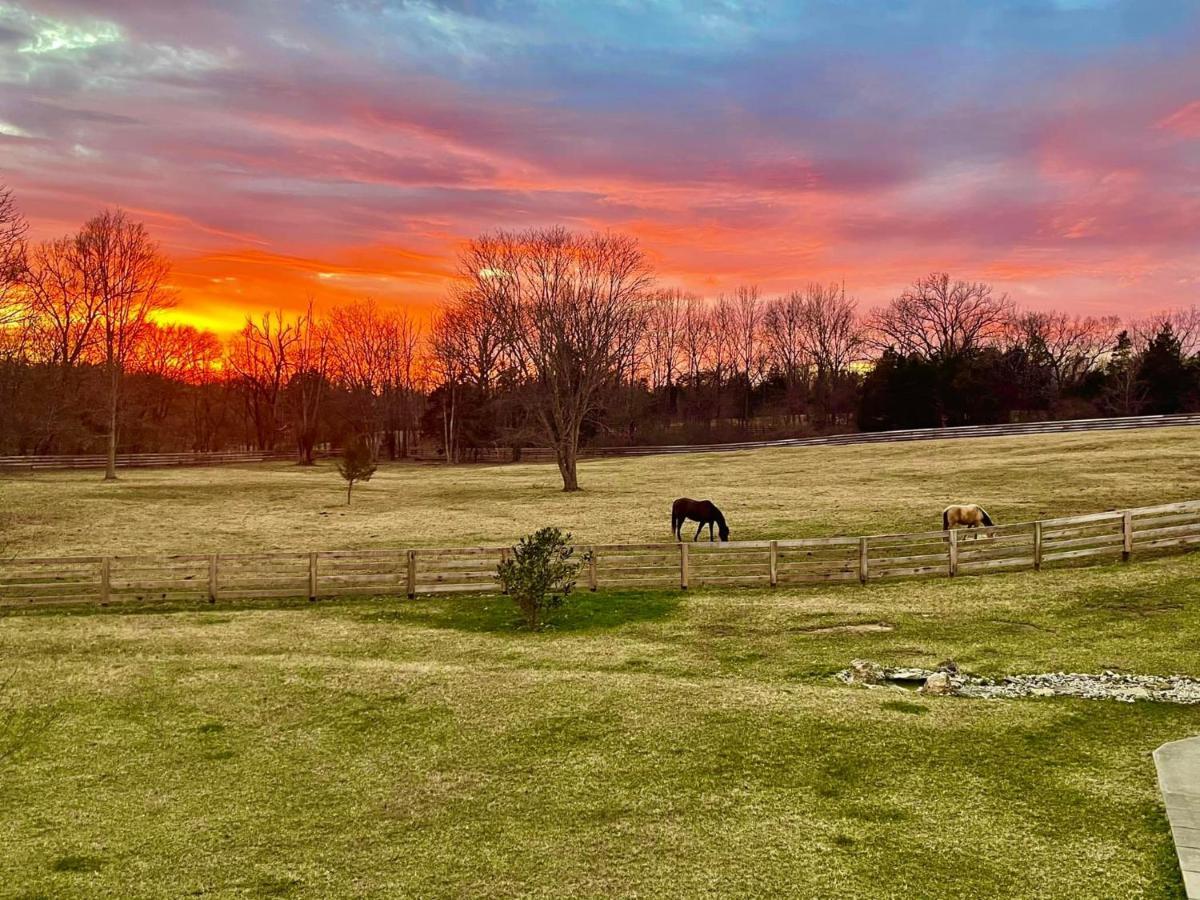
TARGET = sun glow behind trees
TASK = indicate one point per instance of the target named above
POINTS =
(546, 337)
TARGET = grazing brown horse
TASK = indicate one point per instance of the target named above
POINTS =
(965, 515)
(702, 511)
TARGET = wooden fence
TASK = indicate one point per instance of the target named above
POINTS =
(545, 454)
(1011, 429)
(1173, 527)
(139, 460)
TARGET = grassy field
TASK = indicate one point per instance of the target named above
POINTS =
(648, 745)
(780, 493)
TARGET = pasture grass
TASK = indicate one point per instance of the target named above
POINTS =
(648, 744)
(778, 493)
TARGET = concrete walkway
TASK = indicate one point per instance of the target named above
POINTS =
(1178, 765)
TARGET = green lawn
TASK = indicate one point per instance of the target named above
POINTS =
(780, 493)
(649, 745)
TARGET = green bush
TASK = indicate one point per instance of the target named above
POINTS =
(540, 573)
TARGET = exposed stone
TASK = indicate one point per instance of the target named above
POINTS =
(1108, 685)
(863, 671)
(937, 684)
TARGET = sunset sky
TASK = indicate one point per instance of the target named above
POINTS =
(281, 149)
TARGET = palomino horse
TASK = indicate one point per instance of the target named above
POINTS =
(965, 515)
(702, 511)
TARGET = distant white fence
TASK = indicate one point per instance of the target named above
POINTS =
(545, 454)
(542, 454)
(139, 460)
(1173, 527)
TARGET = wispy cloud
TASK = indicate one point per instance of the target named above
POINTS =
(1048, 145)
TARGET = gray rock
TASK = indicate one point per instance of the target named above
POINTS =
(1108, 685)
(863, 671)
(938, 684)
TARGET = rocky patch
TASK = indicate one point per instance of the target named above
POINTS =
(948, 680)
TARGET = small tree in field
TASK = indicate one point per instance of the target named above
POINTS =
(357, 464)
(540, 573)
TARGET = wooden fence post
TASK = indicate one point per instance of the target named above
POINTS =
(503, 559)
(592, 583)
(105, 579)
(312, 576)
(953, 550)
(412, 574)
(774, 563)
(683, 566)
(213, 584)
(1037, 546)
(863, 572)
(1126, 535)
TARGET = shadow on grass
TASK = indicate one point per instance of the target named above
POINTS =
(582, 612)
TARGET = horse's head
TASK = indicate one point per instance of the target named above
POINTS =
(723, 530)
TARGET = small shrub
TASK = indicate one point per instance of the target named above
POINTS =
(540, 573)
(357, 463)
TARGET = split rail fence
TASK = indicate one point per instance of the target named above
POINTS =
(1098, 537)
(546, 454)
(140, 460)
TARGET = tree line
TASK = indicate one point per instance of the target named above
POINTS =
(547, 337)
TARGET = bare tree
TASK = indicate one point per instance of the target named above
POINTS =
(833, 338)
(126, 275)
(1071, 346)
(784, 335)
(66, 312)
(940, 318)
(722, 349)
(573, 306)
(748, 356)
(263, 358)
(173, 357)
(664, 341)
(309, 377)
(448, 364)
(15, 314)
(696, 336)
(200, 367)
(832, 334)
(1184, 323)
(402, 342)
(360, 340)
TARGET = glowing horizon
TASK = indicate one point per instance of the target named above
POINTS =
(1049, 147)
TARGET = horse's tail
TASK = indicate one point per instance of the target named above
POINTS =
(946, 519)
(987, 520)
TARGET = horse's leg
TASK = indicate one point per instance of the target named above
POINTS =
(698, 530)
(710, 533)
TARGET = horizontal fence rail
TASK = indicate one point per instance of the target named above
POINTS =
(544, 454)
(1095, 537)
(140, 460)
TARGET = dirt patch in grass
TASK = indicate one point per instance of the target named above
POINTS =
(855, 628)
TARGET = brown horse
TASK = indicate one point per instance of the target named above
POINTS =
(965, 515)
(703, 511)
